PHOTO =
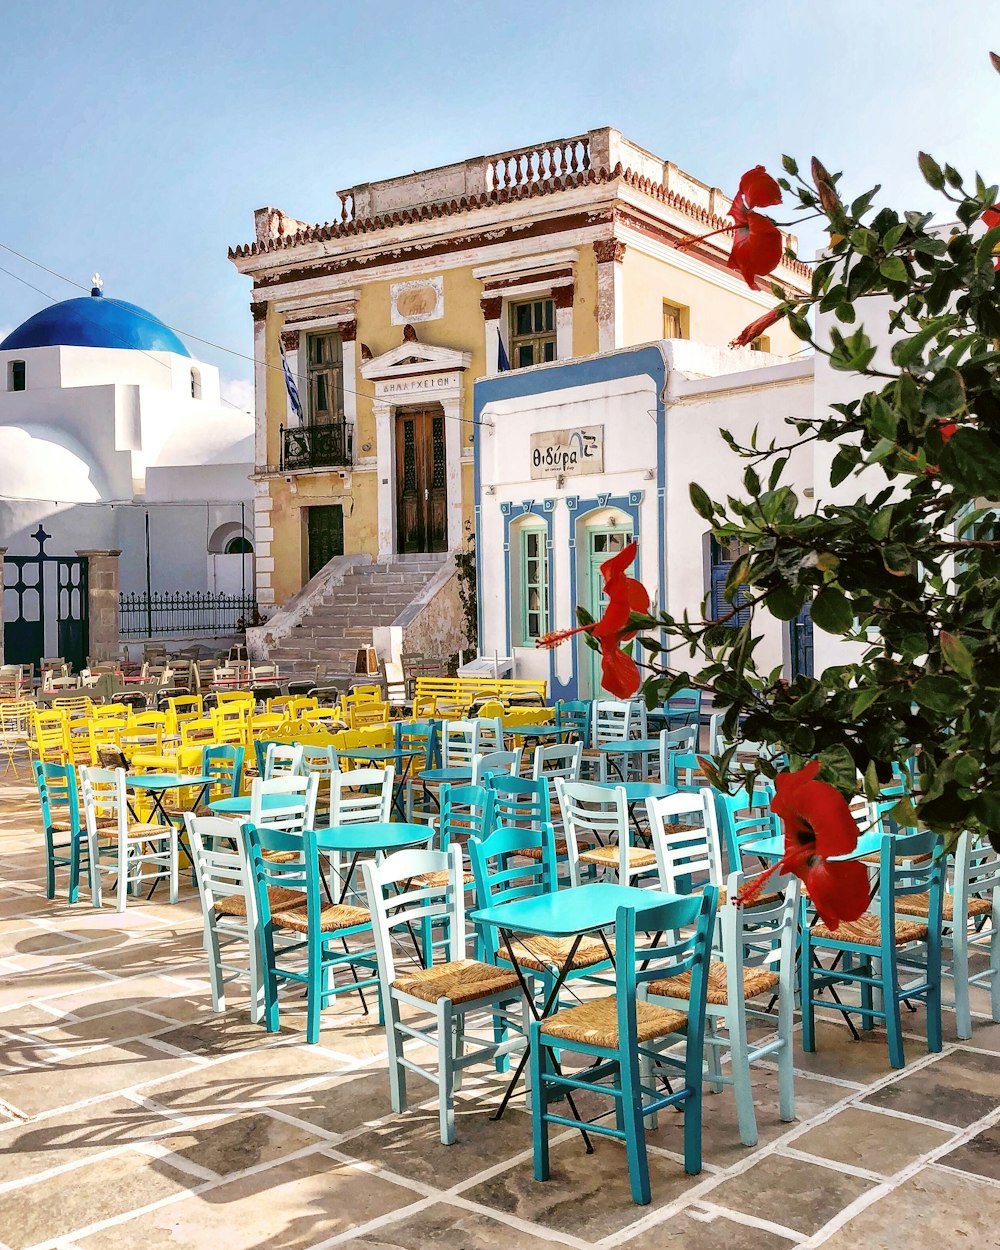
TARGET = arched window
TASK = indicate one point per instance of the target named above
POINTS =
(196, 384)
(231, 539)
(239, 546)
(16, 375)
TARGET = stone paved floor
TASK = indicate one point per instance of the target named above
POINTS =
(131, 1115)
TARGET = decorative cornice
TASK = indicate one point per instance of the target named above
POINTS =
(607, 250)
(348, 331)
(562, 296)
(290, 340)
(492, 306)
(563, 274)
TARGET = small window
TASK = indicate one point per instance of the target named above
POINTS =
(532, 333)
(534, 585)
(761, 344)
(16, 375)
(675, 321)
(326, 378)
(239, 547)
(723, 556)
(196, 384)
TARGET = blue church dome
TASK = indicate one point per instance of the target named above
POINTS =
(95, 322)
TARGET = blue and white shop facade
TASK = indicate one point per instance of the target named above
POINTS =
(574, 460)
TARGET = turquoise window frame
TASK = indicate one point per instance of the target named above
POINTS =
(541, 583)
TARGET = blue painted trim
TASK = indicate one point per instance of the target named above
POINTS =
(511, 514)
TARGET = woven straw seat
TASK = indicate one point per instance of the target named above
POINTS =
(178, 813)
(147, 831)
(541, 953)
(441, 878)
(876, 858)
(610, 857)
(596, 1023)
(867, 932)
(282, 857)
(755, 981)
(762, 900)
(535, 852)
(236, 904)
(461, 980)
(919, 905)
(332, 917)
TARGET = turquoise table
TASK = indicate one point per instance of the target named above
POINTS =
(156, 785)
(240, 806)
(774, 848)
(574, 913)
(370, 837)
(639, 791)
(630, 747)
(538, 731)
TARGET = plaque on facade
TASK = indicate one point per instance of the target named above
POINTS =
(573, 451)
(422, 300)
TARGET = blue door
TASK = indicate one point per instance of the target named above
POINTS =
(800, 635)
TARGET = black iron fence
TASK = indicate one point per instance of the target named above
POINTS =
(142, 615)
(317, 446)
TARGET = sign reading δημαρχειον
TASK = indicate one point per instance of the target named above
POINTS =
(580, 450)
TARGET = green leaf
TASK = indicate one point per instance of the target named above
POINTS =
(903, 813)
(907, 351)
(945, 396)
(790, 165)
(784, 603)
(832, 611)
(931, 170)
(956, 654)
(863, 700)
(893, 269)
(940, 694)
(838, 768)
(871, 781)
(702, 504)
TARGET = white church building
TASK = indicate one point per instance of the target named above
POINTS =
(121, 472)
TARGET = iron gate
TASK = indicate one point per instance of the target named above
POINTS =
(32, 586)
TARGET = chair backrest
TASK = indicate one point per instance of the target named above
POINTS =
(743, 818)
(363, 714)
(508, 762)
(57, 789)
(201, 729)
(319, 759)
(460, 743)
(593, 815)
(362, 796)
(684, 741)
(612, 720)
(221, 862)
(466, 812)
(285, 803)
(685, 839)
(224, 764)
(422, 735)
(715, 744)
(520, 802)
(560, 759)
(490, 734)
(681, 942)
(282, 760)
(397, 896)
(502, 874)
(912, 865)
(683, 770)
(762, 936)
(104, 801)
(577, 714)
(229, 722)
(186, 707)
(241, 698)
(977, 872)
(683, 709)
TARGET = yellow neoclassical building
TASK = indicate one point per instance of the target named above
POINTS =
(430, 280)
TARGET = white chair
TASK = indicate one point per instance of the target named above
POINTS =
(496, 762)
(684, 740)
(228, 907)
(285, 803)
(283, 761)
(119, 845)
(685, 841)
(598, 817)
(615, 720)
(359, 797)
(491, 736)
(757, 947)
(447, 992)
(459, 743)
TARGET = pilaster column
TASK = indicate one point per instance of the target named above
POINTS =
(562, 297)
(260, 372)
(349, 351)
(290, 342)
(492, 306)
(3, 552)
(385, 468)
(610, 332)
(102, 603)
(453, 427)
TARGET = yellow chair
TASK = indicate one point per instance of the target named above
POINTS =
(424, 707)
(363, 714)
(230, 721)
(302, 703)
(322, 716)
(50, 737)
(197, 733)
(104, 712)
(280, 703)
(261, 724)
(224, 697)
(15, 728)
(362, 694)
(186, 707)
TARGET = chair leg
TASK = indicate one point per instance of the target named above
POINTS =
(995, 968)
(446, 1073)
(75, 851)
(739, 1062)
(124, 872)
(935, 1037)
(806, 996)
(867, 1002)
(397, 1073)
(539, 1125)
(714, 1056)
(786, 1055)
(890, 999)
(50, 865)
(458, 1046)
(256, 981)
(214, 954)
(270, 983)
(960, 976)
(174, 867)
(631, 1120)
(94, 868)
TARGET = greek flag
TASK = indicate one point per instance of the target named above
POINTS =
(503, 364)
(293, 390)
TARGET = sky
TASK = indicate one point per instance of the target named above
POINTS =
(141, 136)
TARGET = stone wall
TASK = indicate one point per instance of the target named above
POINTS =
(102, 603)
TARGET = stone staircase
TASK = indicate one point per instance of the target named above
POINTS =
(341, 621)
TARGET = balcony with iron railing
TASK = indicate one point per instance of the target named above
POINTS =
(326, 445)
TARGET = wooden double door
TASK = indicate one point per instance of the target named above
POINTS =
(421, 480)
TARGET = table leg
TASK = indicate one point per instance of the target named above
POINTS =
(549, 1003)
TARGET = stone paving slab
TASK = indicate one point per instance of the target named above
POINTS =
(132, 1115)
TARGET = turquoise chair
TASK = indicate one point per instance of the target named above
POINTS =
(683, 709)
(869, 952)
(288, 900)
(578, 715)
(742, 818)
(423, 735)
(466, 812)
(260, 746)
(624, 1037)
(57, 793)
(683, 770)
(224, 764)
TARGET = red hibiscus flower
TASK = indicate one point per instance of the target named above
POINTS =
(756, 328)
(991, 219)
(757, 245)
(818, 824)
(619, 672)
